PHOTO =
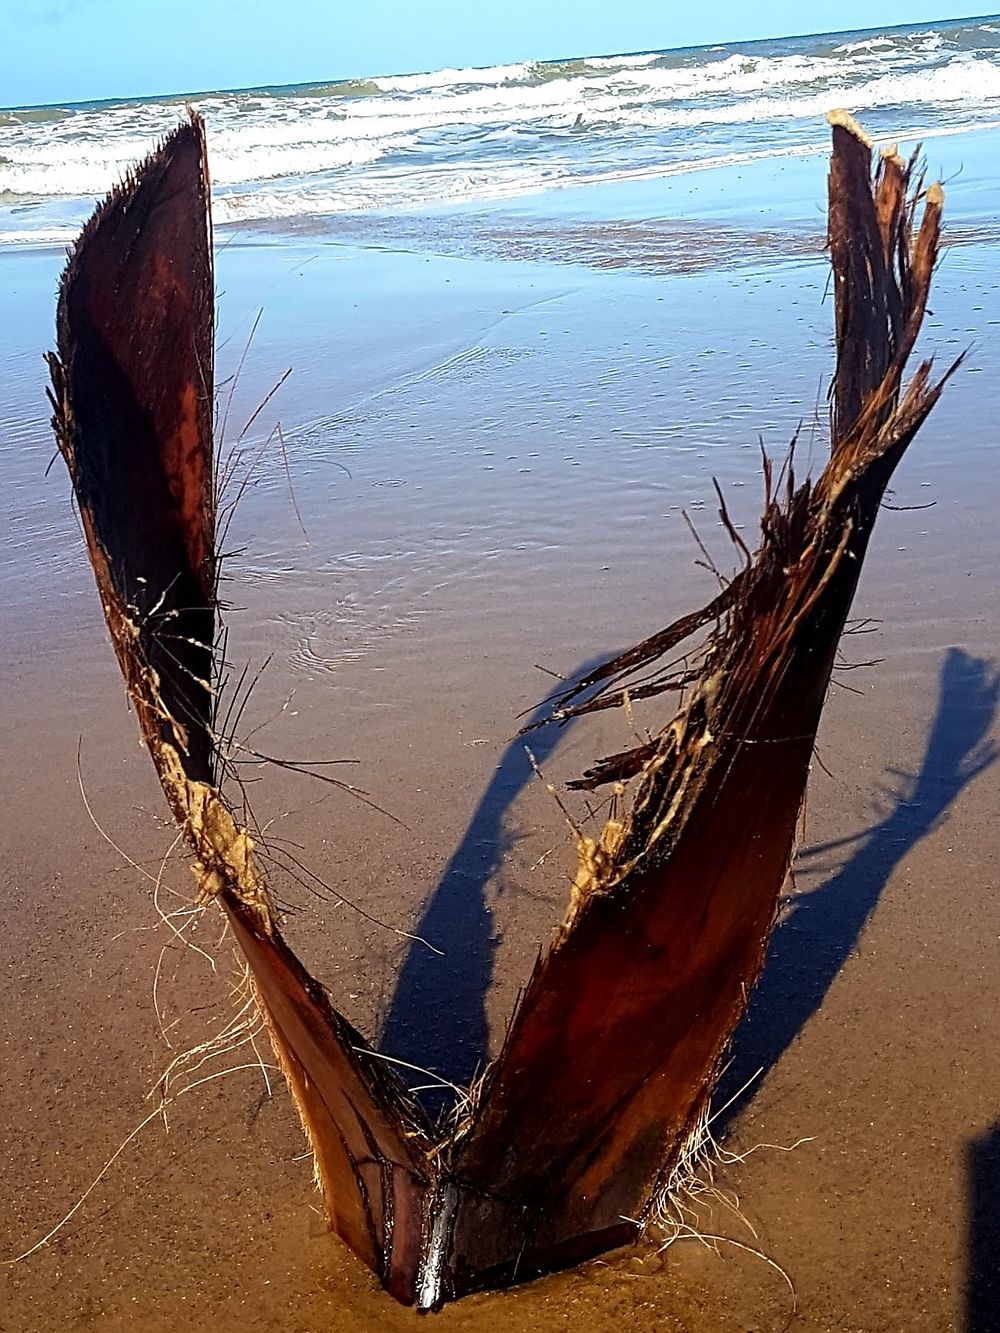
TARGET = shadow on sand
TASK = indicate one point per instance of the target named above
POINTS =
(823, 926)
(437, 1018)
(983, 1288)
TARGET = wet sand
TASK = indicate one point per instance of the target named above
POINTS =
(490, 457)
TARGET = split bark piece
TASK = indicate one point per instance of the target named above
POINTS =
(133, 398)
(616, 1044)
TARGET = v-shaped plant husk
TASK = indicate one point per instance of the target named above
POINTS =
(617, 1041)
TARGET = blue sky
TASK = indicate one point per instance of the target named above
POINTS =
(74, 50)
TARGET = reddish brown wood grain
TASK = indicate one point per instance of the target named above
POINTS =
(616, 1044)
(133, 395)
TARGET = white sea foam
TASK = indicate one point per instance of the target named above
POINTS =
(397, 189)
(869, 44)
(449, 78)
(37, 236)
(974, 83)
(234, 160)
(275, 203)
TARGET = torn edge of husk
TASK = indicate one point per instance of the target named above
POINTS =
(625, 1021)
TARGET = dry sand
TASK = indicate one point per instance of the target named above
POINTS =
(519, 439)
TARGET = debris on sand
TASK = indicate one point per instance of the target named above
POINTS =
(617, 1041)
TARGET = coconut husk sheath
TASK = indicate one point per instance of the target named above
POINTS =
(617, 1041)
(133, 395)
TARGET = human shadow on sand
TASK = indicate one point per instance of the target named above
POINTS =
(822, 927)
(437, 1019)
(983, 1283)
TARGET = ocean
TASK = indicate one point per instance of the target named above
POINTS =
(284, 157)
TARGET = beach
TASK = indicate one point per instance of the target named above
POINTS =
(496, 419)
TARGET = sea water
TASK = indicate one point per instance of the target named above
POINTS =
(281, 157)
